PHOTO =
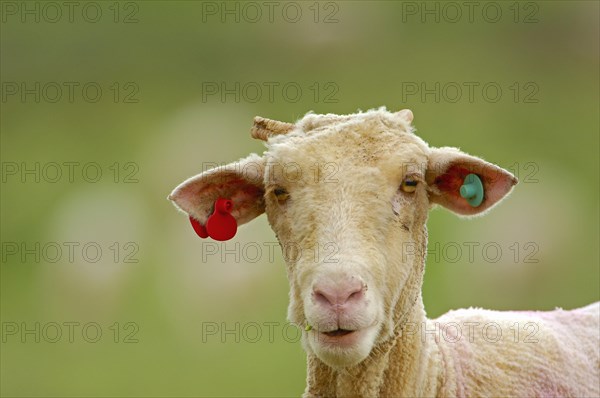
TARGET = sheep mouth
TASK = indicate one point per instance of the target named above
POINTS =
(338, 332)
(341, 338)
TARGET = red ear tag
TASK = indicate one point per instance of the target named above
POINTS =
(198, 228)
(221, 225)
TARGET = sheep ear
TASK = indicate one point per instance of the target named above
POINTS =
(241, 182)
(447, 170)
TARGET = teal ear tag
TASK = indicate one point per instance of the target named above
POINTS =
(472, 190)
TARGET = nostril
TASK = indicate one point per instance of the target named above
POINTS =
(357, 295)
(322, 298)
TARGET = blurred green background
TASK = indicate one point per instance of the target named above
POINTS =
(158, 122)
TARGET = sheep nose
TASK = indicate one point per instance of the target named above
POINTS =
(332, 293)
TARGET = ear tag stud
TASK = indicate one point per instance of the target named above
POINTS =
(221, 225)
(472, 190)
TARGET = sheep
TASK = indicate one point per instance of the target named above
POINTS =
(365, 182)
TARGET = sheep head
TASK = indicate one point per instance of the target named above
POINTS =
(348, 198)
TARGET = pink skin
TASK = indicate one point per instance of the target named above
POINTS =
(338, 302)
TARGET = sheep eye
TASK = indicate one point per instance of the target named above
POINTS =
(281, 194)
(409, 185)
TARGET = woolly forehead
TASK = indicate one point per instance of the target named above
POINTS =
(332, 151)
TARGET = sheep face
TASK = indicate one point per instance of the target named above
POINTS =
(344, 201)
(347, 197)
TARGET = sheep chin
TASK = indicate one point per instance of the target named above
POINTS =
(344, 352)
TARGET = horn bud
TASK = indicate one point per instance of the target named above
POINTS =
(263, 128)
(406, 114)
